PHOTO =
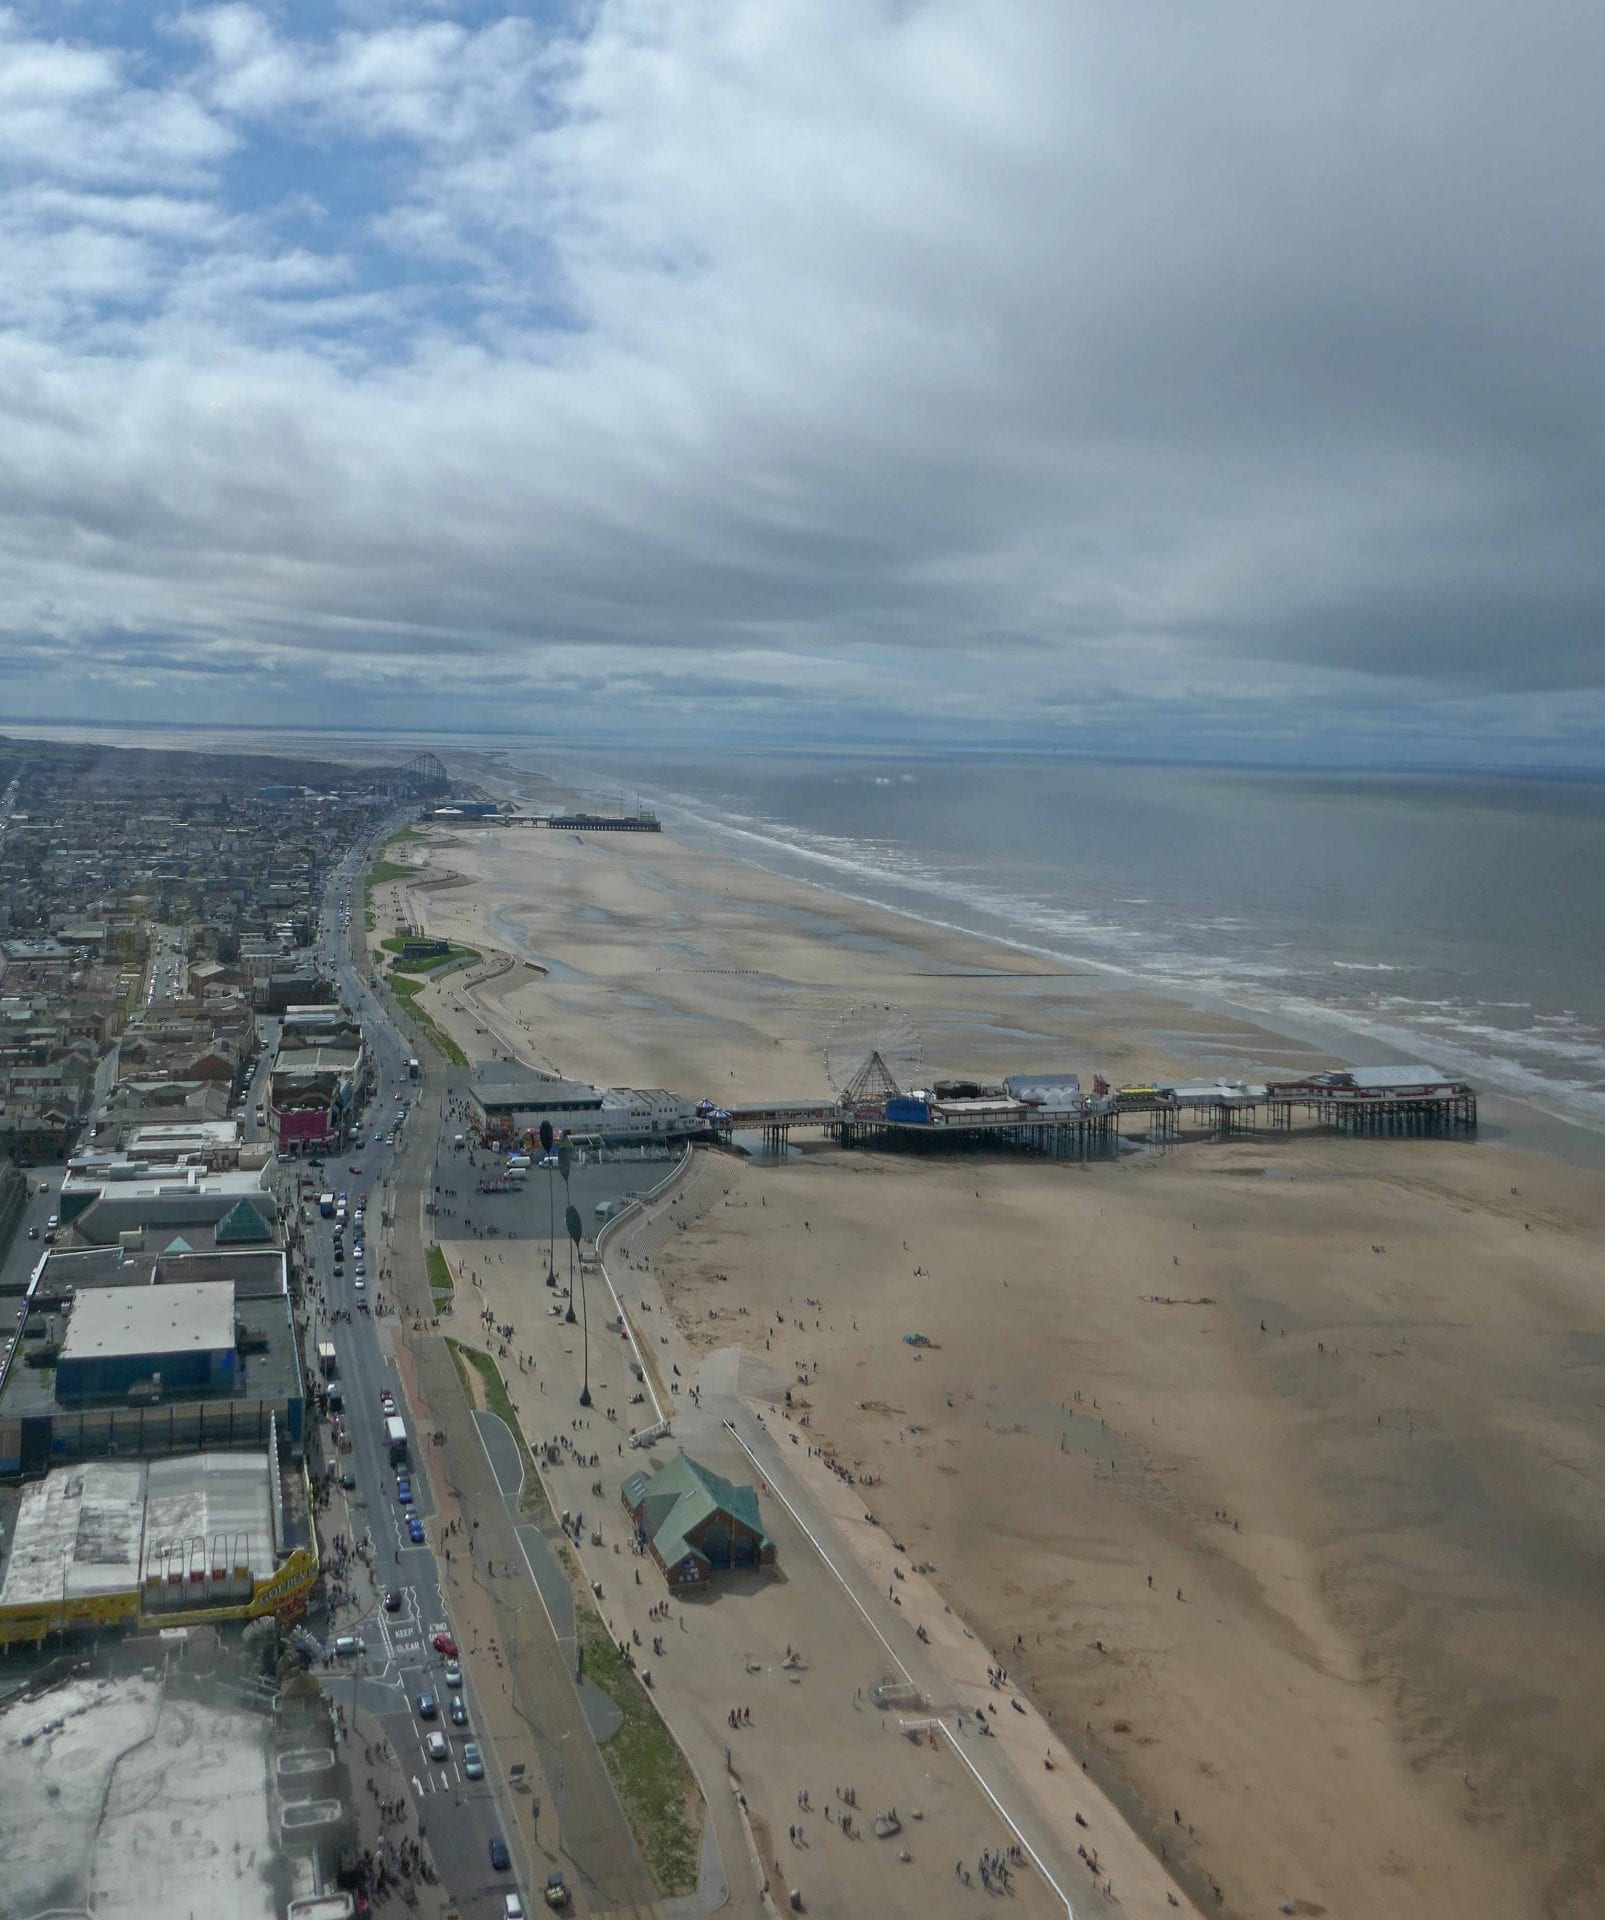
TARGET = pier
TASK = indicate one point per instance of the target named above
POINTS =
(1384, 1103)
(643, 821)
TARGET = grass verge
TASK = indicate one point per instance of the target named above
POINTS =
(454, 956)
(493, 1392)
(406, 987)
(439, 1273)
(654, 1783)
(384, 871)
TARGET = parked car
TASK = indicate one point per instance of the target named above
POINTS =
(557, 1894)
(454, 1674)
(415, 1530)
(438, 1747)
(428, 1706)
(404, 1492)
(473, 1762)
(443, 1643)
(500, 1858)
(458, 1712)
(393, 1600)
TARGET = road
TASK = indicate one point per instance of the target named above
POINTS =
(399, 1662)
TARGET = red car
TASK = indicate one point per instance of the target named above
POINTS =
(443, 1643)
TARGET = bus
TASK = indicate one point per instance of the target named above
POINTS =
(326, 1205)
(412, 1069)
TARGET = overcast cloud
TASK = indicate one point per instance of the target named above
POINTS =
(1143, 373)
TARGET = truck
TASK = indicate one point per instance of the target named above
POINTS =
(396, 1436)
(412, 1069)
(326, 1205)
(328, 1363)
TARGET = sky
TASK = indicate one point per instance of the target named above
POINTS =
(1141, 376)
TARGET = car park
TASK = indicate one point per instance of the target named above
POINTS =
(428, 1706)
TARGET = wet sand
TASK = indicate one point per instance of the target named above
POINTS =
(1342, 1396)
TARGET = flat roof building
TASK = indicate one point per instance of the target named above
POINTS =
(144, 1542)
(135, 1352)
(181, 1334)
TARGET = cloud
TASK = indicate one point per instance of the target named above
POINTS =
(1083, 361)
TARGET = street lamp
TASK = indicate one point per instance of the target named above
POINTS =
(572, 1220)
(551, 1210)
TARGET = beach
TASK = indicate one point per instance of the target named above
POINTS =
(1270, 1468)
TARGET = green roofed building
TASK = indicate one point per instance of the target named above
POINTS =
(695, 1523)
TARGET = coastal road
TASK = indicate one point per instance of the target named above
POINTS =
(398, 1663)
(531, 1669)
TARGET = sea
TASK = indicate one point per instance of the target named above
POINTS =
(1452, 920)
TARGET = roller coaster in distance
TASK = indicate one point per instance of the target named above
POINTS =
(420, 778)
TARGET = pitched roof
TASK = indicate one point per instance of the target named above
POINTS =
(673, 1503)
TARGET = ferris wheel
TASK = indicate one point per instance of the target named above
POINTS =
(871, 1050)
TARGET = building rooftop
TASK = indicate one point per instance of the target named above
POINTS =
(521, 1087)
(672, 1503)
(170, 1142)
(193, 1317)
(311, 1060)
(78, 1532)
(222, 1499)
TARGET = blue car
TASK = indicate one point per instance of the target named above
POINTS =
(404, 1492)
(498, 1853)
(415, 1530)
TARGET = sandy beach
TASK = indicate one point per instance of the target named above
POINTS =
(1272, 1469)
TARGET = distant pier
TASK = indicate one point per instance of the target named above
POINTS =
(470, 816)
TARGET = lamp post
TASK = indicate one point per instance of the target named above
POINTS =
(572, 1220)
(551, 1210)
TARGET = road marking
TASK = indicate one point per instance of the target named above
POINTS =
(818, 1547)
